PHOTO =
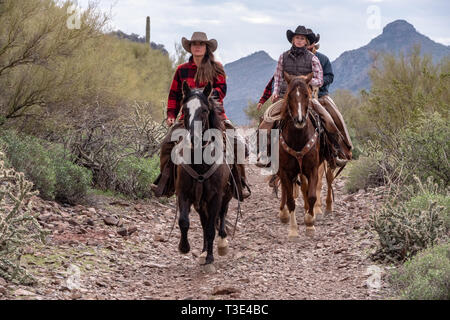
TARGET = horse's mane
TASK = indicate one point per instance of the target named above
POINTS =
(215, 117)
(296, 82)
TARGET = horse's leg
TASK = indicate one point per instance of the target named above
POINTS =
(304, 191)
(213, 211)
(290, 202)
(183, 223)
(222, 243)
(284, 215)
(312, 188)
(330, 178)
(318, 206)
(203, 220)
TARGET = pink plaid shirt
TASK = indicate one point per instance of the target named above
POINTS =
(316, 81)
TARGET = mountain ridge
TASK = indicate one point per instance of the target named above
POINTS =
(248, 76)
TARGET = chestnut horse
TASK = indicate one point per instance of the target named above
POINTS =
(299, 152)
(205, 186)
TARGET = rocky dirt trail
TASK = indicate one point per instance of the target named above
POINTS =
(117, 249)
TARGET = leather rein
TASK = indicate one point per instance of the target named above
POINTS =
(308, 146)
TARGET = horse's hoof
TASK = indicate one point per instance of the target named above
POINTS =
(309, 219)
(319, 216)
(310, 231)
(327, 212)
(184, 248)
(284, 216)
(294, 237)
(209, 268)
(284, 220)
(222, 251)
(202, 258)
(222, 246)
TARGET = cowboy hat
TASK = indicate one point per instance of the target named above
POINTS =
(315, 38)
(199, 36)
(301, 30)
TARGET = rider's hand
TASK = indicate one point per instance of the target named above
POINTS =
(259, 106)
(170, 121)
(275, 98)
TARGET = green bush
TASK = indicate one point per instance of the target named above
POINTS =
(421, 202)
(423, 148)
(364, 173)
(46, 165)
(72, 181)
(414, 219)
(426, 276)
(27, 155)
(134, 175)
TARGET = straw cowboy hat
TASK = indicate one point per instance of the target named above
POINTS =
(301, 30)
(199, 36)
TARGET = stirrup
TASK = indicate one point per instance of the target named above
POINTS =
(341, 162)
(245, 188)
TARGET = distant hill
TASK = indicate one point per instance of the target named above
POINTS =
(351, 67)
(247, 78)
(136, 38)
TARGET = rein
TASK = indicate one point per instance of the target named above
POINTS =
(308, 146)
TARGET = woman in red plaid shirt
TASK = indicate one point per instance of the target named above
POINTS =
(197, 72)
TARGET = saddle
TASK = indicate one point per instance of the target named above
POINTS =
(164, 185)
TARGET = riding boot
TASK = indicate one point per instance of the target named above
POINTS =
(332, 109)
(335, 135)
(238, 170)
(164, 184)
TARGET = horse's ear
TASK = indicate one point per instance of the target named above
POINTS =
(186, 89)
(208, 90)
(287, 77)
(309, 78)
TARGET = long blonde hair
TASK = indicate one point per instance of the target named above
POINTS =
(209, 69)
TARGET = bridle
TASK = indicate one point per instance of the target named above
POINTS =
(307, 147)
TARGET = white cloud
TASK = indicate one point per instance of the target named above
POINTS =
(258, 19)
(243, 27)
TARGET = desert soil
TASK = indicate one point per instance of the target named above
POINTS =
(119, 249)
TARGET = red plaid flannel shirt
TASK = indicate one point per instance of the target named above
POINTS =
(186, 72)
(267, 92)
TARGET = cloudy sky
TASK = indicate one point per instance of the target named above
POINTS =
(244, 27)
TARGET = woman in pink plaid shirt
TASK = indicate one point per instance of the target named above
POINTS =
(298, 60)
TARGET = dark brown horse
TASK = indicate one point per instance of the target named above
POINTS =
(205, 186)
(299, 152)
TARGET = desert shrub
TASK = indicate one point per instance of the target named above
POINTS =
(252, 112)
(27, 155)
(134, 175)
(423, 148)
(364, 173)
(412, 220)
(47, 166)
(426, 276)
(405, 87)
(72, 181)
(18, 227)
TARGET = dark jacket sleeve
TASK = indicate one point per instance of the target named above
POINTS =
(328, 75)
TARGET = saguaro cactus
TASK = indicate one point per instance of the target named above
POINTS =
(147, 32)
